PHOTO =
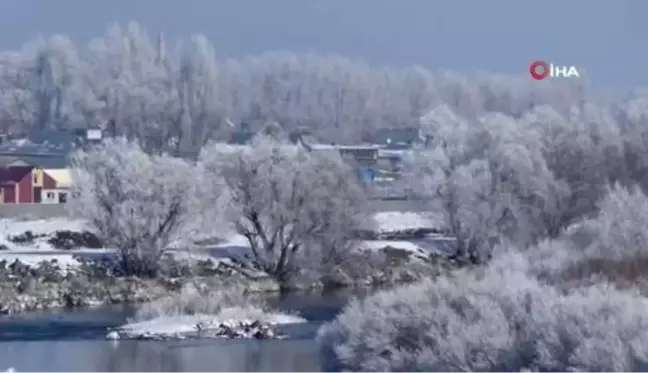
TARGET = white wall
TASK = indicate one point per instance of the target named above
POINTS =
(50, 196)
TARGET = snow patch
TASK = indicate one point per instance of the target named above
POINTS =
(236, 246)
(13, 227)
(376, 245)
(33, 253)
(392, 221)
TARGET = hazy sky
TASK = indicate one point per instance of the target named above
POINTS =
(606, 37)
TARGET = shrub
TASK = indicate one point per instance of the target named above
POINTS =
(493, 321)
(196, 301)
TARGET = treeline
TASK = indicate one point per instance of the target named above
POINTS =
(179, 94)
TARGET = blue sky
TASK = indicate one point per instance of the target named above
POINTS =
(606, 37)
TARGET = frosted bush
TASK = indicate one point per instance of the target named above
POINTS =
(194, 301)
(492, 321)
(609, 247)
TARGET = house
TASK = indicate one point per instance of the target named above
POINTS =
(399, 138)
(35, 169)
(393, 159)
(23, 184)
(366, 155)
(362, 155)
(67, 139)
(61, 188)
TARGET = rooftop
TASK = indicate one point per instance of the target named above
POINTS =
(397, 136)
(14, 174)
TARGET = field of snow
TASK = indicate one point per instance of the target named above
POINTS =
(179, 324)
(235, 246)
(393, 221)
(40, 250)
(12, 227)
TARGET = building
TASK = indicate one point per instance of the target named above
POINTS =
(361, 155)
(47, 149)
(24, 184)
(60, 191)
(35, 170)
(66, 140)
(399, 138)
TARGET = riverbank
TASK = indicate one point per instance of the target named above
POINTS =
(57, 263)
(48, 285)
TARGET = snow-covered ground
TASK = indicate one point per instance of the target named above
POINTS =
(234, 246)
(15, 227)
(12, 227)
(237, 247)
(63, 260)
(393, 221)
(173, 325)
(40, 250)
(375, 245)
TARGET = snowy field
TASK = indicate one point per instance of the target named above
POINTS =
(40, 250)
(12, 227)
(234, 246)
(393, 221)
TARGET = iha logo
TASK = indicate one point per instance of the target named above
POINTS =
(541, 70)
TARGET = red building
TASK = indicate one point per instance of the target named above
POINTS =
(23, 184)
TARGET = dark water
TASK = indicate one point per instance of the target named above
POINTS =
(75, 341)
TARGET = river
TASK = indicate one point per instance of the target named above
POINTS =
(74, 341)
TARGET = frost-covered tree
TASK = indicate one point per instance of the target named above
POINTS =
(14, 92)
(137, 202)
(198, 93)
(174, 95)
(584, 152)
(55, 74)
(133, 87)
(161, 92)
(621, 225)
(339, 99)
(40, 84)
(298, 210)
(488, 177)
(500, 320)
(631, 118)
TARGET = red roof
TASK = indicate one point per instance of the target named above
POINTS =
(12, 175)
